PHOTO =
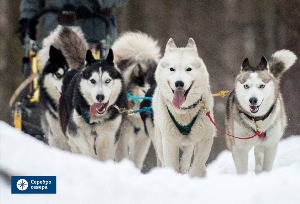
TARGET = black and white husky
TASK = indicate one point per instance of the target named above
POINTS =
(256, 104)
(64, 48)
(87, 107)
(136, 55)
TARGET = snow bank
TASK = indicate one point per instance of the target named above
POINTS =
(84, 180)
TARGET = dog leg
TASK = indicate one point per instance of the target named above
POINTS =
(269, 156)
(158, 147)
(122, 148)
(259, 158)
(240, 157)
(201, 153)
(186, 158)
(140, 149)
(111, 148)
(171, 154)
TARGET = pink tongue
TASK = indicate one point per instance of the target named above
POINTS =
(178, 98)
(253, 109)
(94, 108)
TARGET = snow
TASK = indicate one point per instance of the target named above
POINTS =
(83, 180)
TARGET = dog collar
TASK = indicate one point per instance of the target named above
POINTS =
(86, 116)
(259, 117)
(192, 106)
(183, 129)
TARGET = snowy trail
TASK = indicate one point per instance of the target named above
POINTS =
(84, 180)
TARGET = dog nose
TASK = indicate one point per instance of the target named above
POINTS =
(253, 100)
(179, 84)
(100, 97)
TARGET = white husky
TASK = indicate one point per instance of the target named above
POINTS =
(254, 105)
(180, 123)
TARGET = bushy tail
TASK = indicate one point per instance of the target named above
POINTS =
(281, 61)
(136, 46)
(71, 41)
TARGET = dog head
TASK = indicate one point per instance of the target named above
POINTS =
(256, 88)
(137, 55)
(101, 83)
(181, 74)
(138, 77)
(53, 73)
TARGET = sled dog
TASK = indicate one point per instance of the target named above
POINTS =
(254, 105)
(136, 55)
(179, 121)
(88, 107)
(64, 48)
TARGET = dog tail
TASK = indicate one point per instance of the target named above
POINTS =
(136, 46)
(73, 46)
(281, 61)
(71, 42)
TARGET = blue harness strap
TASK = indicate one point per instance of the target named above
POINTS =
(138, 98)
(144, 109)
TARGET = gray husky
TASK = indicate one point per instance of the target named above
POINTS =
(255, 108)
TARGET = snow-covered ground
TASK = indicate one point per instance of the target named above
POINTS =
(84, 180)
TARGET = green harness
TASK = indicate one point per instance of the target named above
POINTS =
(183, 129)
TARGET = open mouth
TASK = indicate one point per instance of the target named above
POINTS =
(179, 96)
(254, 109)
(98, 108)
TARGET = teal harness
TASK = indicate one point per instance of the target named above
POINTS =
(86, 116)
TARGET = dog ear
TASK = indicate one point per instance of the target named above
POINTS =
(245, 64)
(89, 58)
(191, 44)
(55, 54)
(110, 57)
(170, 45)
(263, 65)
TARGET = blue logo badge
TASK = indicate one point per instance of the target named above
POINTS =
(33, 184)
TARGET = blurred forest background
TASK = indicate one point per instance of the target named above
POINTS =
(225, 31)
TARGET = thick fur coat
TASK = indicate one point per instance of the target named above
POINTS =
(256, 104)
(180, 123)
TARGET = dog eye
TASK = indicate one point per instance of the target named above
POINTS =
(189, 69)
(246, 86)
(93, 81)
(107, 81)
(172, 69)
(58, 75)
(261, 86)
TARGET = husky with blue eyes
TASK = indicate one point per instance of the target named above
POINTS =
(256, 105)
(88, 107)
(180, 122)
